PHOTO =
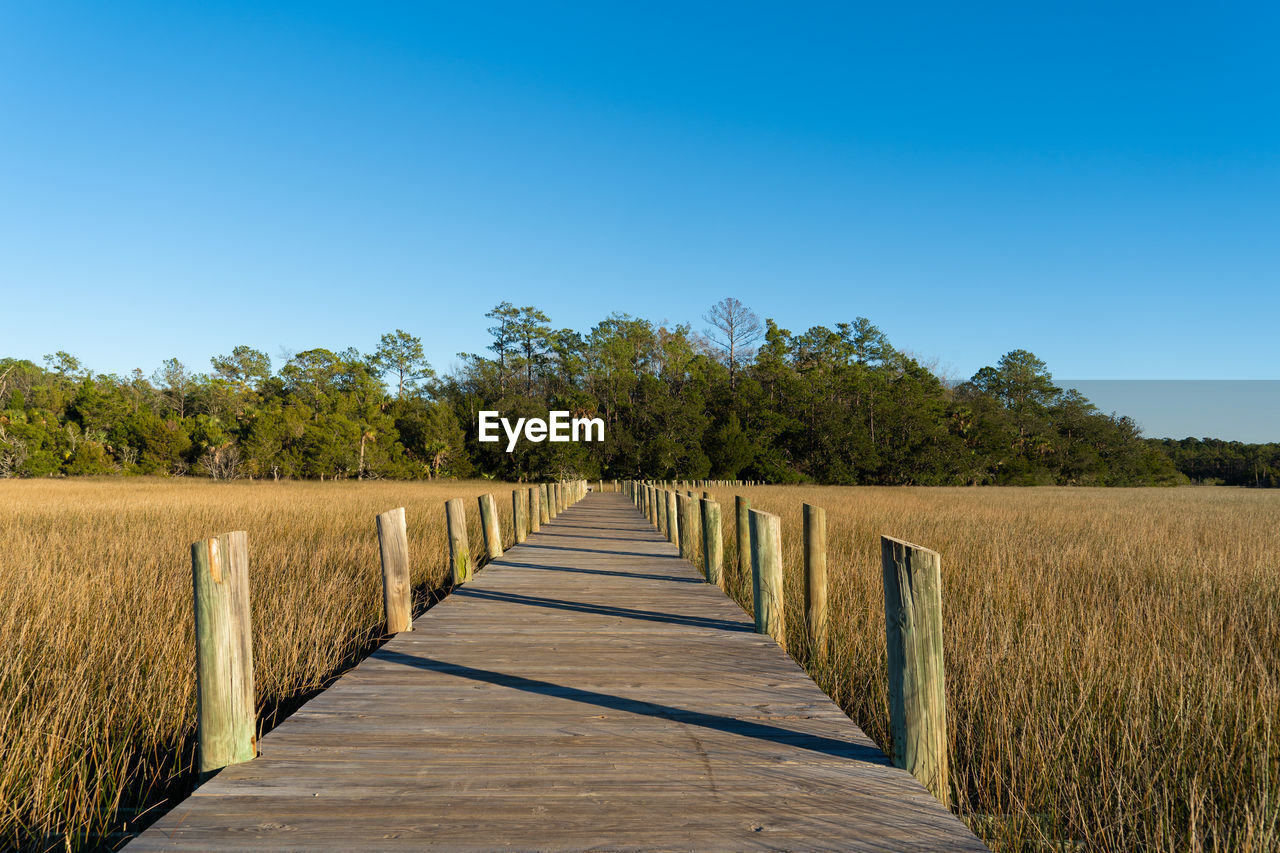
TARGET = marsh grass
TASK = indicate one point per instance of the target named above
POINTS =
(1113, 655)
(97, 676)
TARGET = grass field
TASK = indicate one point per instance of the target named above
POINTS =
(1113, 655)
(97, 677)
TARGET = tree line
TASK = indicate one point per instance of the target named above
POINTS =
(738, 399)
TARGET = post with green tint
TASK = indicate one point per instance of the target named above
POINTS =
(455, 516)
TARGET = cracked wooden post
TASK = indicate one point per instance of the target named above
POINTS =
(459, 549)
(226, 725)
(815, 579)
(766, 575)
(917, 682)
(742, 532)
(660, 509)
(519, 515)
(393, 546)
(535, 509)
(712, 543)
(673, 519)
(491, 526)
(544, 503)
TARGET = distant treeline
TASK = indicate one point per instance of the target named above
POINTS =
(741, 400)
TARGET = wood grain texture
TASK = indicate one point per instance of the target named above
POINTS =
(535, 509)
(690, 521)
(712, 543)
(491, 526)
(520, 514)
(917, 683)
(766, 574)
(226, 722)
(397, 591)
(455, 515)
(814, 521)
(587, 691)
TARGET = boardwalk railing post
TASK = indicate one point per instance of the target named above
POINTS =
(766, 575)
(688, 529)
(459, 549)
(393, 545)
(520, 515)
(535, 509)
(917, 684)
(741, 511)
(815, 579)
(544, 504)
(226, 727)
(712, 543)
(491, 526)
(673, 519)
(660, 509)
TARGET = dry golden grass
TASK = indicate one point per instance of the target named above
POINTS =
(97, 675)
(1113, 655)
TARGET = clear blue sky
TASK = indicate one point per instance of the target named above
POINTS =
(1098, 183)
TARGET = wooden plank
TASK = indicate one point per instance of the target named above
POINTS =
(587, 690)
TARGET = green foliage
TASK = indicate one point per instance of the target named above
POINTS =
(831, 405)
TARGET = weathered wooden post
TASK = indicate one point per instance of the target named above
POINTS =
(766, 575)
(535, 509)
(742, 532)
(815, 579)
(520, 515)
(455, 516)
(712, 543)
(393, 545)
(673, 519)
(660, 509)
(688, 529)
(226, 726)
(491, 526)
(917, 683)
(544, 508)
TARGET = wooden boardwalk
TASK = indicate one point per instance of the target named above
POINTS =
(586, 692)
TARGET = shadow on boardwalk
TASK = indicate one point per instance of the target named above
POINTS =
(742, 728)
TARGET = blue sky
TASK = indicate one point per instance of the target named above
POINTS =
(1098, 183)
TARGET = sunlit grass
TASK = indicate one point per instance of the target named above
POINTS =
(1113, 655)
(97, 675)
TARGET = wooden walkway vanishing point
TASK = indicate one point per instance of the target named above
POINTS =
(587, 691)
